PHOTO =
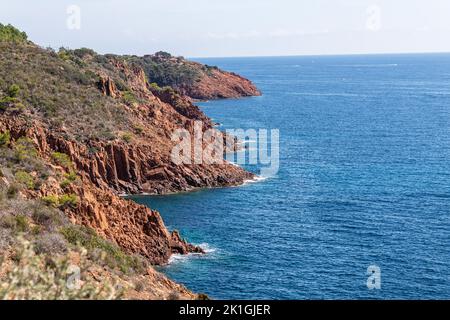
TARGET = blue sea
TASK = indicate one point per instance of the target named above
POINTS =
(364, 180)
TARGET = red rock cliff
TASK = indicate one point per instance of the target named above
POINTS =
(219, 84)
(134, 227)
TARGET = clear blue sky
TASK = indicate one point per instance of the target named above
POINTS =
(202, 28)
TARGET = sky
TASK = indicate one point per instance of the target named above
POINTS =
(214, 28)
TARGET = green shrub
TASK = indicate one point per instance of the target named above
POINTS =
(10, 33)
(5, 138)
(155, 86)
(71, 176)
(63, 201)
(45, 216)
(17, 107)
(50, 277)
(67, 201)
(121, 85)
(36, 230)
(25, 178)
(7, 221)
(51, 200)
(115, 257)
(62, 159)
(138, 129)
(6, 103)
(163, 54)
(13, 91)
(63, 54)
(25, 150)
(18, 223)
(82, 52)
(129, 98)
(64, 184)
(22, 224)
(127, 137)
(12, 191)
(165, 70)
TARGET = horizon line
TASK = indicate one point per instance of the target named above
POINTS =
(321, 55)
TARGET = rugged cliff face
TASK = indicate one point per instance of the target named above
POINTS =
(133, 227)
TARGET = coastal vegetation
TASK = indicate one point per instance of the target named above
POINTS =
(40, 247)
(165, 70)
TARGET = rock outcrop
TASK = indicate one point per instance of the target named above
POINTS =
(107, 87)
(219, 84)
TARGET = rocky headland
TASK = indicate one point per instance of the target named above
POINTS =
(192, 79)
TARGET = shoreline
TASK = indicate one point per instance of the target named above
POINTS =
(256, 179)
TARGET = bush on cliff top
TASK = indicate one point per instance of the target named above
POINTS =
(5, 138)
(18, 223)
(49, 277)
(10, 33)
(21, 164)
(11, 101)
(25, 150)
(64, 201)
(162, 70)
(62, 159)
(25, 178)
(115, 257)
(52, 241)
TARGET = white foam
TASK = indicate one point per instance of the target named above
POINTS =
(254, 180)
(207, 248)
(180, 258)
(177, 258)
(126, 195)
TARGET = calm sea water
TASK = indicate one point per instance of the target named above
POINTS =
(364, 180)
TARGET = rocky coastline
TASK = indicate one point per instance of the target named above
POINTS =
(135, 156)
